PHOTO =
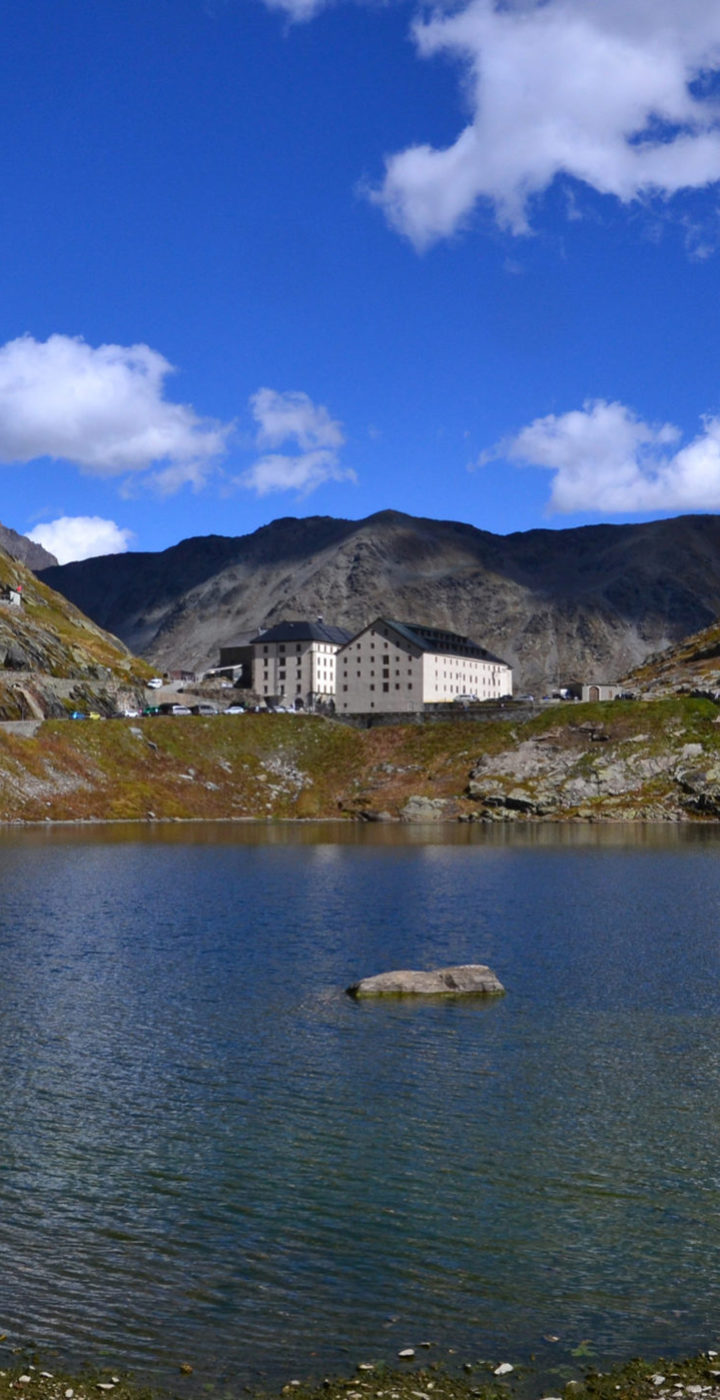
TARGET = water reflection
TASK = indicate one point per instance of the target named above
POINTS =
(209, 1151)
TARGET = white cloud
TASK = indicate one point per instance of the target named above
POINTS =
(102, 408)
(303, 473)
(81, 537)
(605, 459)
(292, 418)
(613, 94)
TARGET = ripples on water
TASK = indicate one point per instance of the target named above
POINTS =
(208, 1152)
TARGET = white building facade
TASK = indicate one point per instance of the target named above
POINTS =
(293, 663)
(399, 666)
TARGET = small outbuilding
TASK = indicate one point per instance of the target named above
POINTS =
(598, 691)
(11, 595)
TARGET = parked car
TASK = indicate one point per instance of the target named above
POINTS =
(235, 710)
(155, 683)
(204, 708)
(78, 714)
(465, 700)
(177, 710)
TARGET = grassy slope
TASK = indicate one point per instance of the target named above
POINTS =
(52, 658)
(299, 766)
(53, 632)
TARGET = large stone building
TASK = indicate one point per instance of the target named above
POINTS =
(294, 663)
(403, 666)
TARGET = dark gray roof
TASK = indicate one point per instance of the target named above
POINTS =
(304, 632)
(438, 639)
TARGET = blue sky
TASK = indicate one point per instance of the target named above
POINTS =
(329, 258)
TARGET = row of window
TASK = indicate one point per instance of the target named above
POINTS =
(386, 686)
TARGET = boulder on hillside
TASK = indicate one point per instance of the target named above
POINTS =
(470, 979)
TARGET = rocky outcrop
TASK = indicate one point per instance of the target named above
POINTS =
(469, 979)
(588, 772)
(429, 809)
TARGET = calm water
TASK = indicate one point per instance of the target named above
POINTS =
(209, 1153)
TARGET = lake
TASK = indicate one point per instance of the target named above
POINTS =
(210, 1154)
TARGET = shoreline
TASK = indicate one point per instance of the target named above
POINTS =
(695, 1377)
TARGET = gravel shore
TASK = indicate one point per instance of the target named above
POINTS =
(693, 1378)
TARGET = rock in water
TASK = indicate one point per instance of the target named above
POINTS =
(471, 979)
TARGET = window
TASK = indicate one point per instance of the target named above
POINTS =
(344, 687)
(397, 687)
(386, 685)
(372, 687)
(281, 647)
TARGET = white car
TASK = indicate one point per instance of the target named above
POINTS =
(154, 683)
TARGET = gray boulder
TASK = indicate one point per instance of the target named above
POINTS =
(471, 979)
(427, 809)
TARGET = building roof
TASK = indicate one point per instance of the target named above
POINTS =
(303, 632)
(438, 639)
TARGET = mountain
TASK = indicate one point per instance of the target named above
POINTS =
(20, 547)
(52, 658)
(690, 667)
(559, 605)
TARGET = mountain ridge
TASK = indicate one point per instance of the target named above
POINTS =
(588, 602)
(32, 555)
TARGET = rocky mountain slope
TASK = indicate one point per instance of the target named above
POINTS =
(52, 658)
(20, 547)
(559, 605)
(693, 666)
